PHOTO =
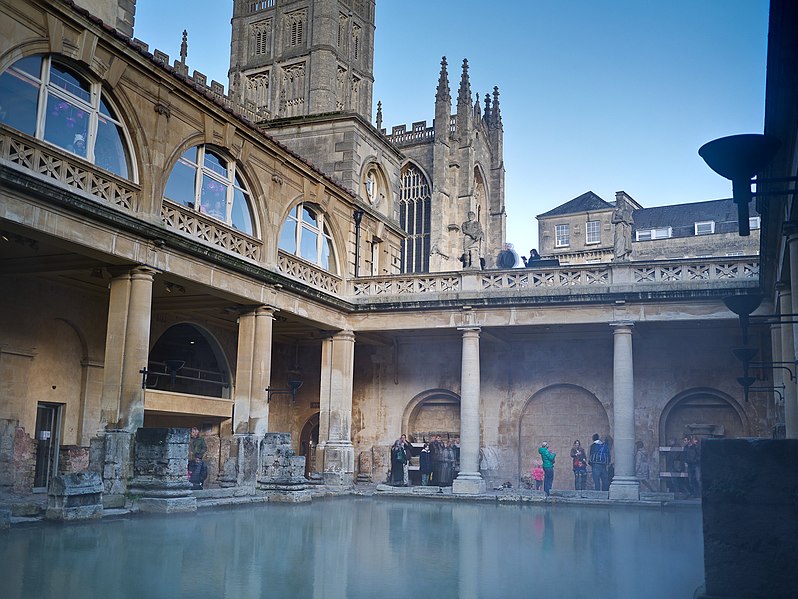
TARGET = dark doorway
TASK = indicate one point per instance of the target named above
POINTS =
(48, 440)
(308, 441)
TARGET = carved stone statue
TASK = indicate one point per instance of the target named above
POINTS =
(623, 221)
(472, 243)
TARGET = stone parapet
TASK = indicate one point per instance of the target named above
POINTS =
(76, 496)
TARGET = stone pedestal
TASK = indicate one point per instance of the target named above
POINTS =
(160, 483)
(466, 484)
(77, 496)
(750, 488)
(339, 464)
(111, 455)
(282, 472)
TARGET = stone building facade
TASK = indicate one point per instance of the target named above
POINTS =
(172, 258)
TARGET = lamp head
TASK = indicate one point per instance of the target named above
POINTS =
(739, 158)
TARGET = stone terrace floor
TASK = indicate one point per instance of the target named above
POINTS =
(18, 510)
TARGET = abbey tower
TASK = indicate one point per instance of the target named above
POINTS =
(305, 68)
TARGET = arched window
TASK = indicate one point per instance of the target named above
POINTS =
(305, 234)
(204, 180)
(45, 98)
(414, 217)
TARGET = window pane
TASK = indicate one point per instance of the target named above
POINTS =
(241, 218)
(180, 186)
(191, 155)
(288, 237)
(308, 217)
(18, 100)
(325, 253)
(66, 125)
(109, 150)
(69, 81)
(215, 163)
(104, 109)
(32, 65)
(213, 198)
(308, 244)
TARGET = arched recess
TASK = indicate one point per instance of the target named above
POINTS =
(559, 414)
(705, 412)
(308, 440)
(187, 358)
(480, 206)
(432, 412)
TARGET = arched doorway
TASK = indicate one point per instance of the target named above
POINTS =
(559, 414)
(704, 412)
(433, 412)
(308, 440)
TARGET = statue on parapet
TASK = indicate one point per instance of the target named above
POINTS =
(473, 236)
(623, 220)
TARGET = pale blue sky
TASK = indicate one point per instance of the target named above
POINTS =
(601, 96)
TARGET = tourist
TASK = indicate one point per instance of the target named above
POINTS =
(691, 454)
(548, 467)
(197, 473)
(408, 454)
(580, 466)
(425, 464)
(599, 460)
(447, 465)
(197, 448)
(399, 458)
(538, 474)
(642, 470)
(436, 449)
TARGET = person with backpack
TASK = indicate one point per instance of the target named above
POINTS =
(599, 460)
(547, 456)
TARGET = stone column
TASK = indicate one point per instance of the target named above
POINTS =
(624, 484)
(335, 418)
(253, 371)
(787, 355)
(127, 348)
(469, 481)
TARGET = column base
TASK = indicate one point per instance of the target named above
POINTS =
(468, 483)
(339, 464)
(625, 488)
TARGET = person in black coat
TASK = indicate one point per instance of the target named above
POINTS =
(425, 464)
(197, 473)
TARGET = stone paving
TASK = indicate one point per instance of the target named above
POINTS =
(26, 509)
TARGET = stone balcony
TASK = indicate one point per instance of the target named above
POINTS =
(589, 282)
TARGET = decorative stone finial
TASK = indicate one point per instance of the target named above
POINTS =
(464, 94)
(379, 115)
(487, 108)
(184, 47)
(496, 113)
(443, 84)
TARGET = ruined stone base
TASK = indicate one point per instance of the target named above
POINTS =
(468, 484)
(70, 514)
(76, 496)
(288, 496)
(111, 502)
(625, 489)
(342, 480)
(166, 505)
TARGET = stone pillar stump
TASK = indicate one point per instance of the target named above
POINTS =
(160, 471)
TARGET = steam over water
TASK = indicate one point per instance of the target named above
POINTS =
(364, 548)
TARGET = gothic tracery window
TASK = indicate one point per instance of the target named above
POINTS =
(257, 89)
(296, 27)
(414, 217)
(204, 180)
(261, 37)
(355, 42)
(49, 100)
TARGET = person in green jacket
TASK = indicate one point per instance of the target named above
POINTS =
(548, 466)
(197, 448)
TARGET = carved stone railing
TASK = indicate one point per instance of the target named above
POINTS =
(448, 283)
(608, 277)
(298, 269)
(209, 230)
(22, 151)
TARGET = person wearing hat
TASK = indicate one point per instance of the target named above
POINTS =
(548, 466)
(78, 145)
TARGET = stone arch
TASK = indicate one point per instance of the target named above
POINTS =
(705, 412)
(435, 411)
(202, 358)
(559, 414)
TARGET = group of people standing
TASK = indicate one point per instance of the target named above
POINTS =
(599, 459)
(438, 462)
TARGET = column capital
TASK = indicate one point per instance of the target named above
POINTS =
(790, 230)
(344, 335)
(472, 329)
(621, 326)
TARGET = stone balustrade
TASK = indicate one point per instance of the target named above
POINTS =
(592, 278)
(306, 272)
(20, 151)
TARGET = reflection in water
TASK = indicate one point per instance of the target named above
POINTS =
(361, 548)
